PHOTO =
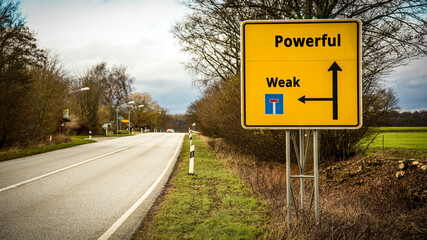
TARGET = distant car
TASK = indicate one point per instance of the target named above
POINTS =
(170, 130)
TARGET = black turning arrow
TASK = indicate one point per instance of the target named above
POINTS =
(334, 68)
(303, 99)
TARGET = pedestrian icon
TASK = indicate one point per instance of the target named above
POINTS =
(274, 104)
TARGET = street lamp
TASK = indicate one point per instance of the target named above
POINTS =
(139, 106)
(79, 90)
(132, 102)
(74, 91)
(117, 115)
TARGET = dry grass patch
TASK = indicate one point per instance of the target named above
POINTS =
(360, 198)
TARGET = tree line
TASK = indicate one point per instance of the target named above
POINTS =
(393, 32)
(407, 119)
(39, 98)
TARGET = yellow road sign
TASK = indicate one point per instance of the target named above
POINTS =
(301, 74)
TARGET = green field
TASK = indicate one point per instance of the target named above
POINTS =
(402, 129)
(401, 139)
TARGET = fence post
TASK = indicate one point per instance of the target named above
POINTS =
(383, 142)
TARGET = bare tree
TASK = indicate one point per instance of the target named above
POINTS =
(212, 37)
(109, 87)
(115, 83)
(394, 32)
(144, 115)
(18, 51)
(47, 99)
(148, 113)
(88, 103)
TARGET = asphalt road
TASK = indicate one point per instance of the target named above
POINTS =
(95, 191)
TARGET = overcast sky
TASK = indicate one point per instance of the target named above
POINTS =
(136, 34)
(410, 84)
(133, 33)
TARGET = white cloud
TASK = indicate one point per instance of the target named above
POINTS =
(134, 33)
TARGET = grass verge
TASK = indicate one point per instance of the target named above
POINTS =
(18, 153)
(211, 204)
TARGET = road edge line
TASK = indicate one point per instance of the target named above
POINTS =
(110, 231)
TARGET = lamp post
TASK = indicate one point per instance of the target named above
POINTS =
(117, 115)
(131, 102)
(74, 91)
(142, 105)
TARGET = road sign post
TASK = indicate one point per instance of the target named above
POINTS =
(301, 74)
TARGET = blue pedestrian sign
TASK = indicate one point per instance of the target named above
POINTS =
(274, 104)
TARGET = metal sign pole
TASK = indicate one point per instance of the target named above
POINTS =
(301, 161)
(302, 166)
(316, 174)
(288, 176)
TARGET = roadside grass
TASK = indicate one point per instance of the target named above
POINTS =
(211, 204)
(18, 153)
(360, 198)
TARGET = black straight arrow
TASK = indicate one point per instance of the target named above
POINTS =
(334, 68)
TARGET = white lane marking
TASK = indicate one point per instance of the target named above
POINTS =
(66, 168)
(123, 218)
